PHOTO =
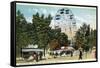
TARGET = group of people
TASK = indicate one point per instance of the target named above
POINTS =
(37, 56)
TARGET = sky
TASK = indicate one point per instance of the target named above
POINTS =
(82, 14)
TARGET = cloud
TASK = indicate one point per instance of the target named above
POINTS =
(80, 19)
(29, 19)
(35, 10)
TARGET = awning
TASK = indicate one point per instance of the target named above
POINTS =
(32, 50)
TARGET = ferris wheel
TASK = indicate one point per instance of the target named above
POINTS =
(64, 19)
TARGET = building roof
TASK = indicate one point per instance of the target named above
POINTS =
(31, 50)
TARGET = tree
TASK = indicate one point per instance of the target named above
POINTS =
(41, 26)
(93, 37)
(63, 39)
(57, 39)
(22, 39)
(82, 36)
(85, 37)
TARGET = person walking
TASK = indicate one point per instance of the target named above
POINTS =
(40, 55)
(80, 54)
(71, 53)
(36, 56)
(93, 52)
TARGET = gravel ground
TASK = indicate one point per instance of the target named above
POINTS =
(86, 57)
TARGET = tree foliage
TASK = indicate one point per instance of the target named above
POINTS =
(85, 37)
(22, 39)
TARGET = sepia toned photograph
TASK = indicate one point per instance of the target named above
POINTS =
(55, 33)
